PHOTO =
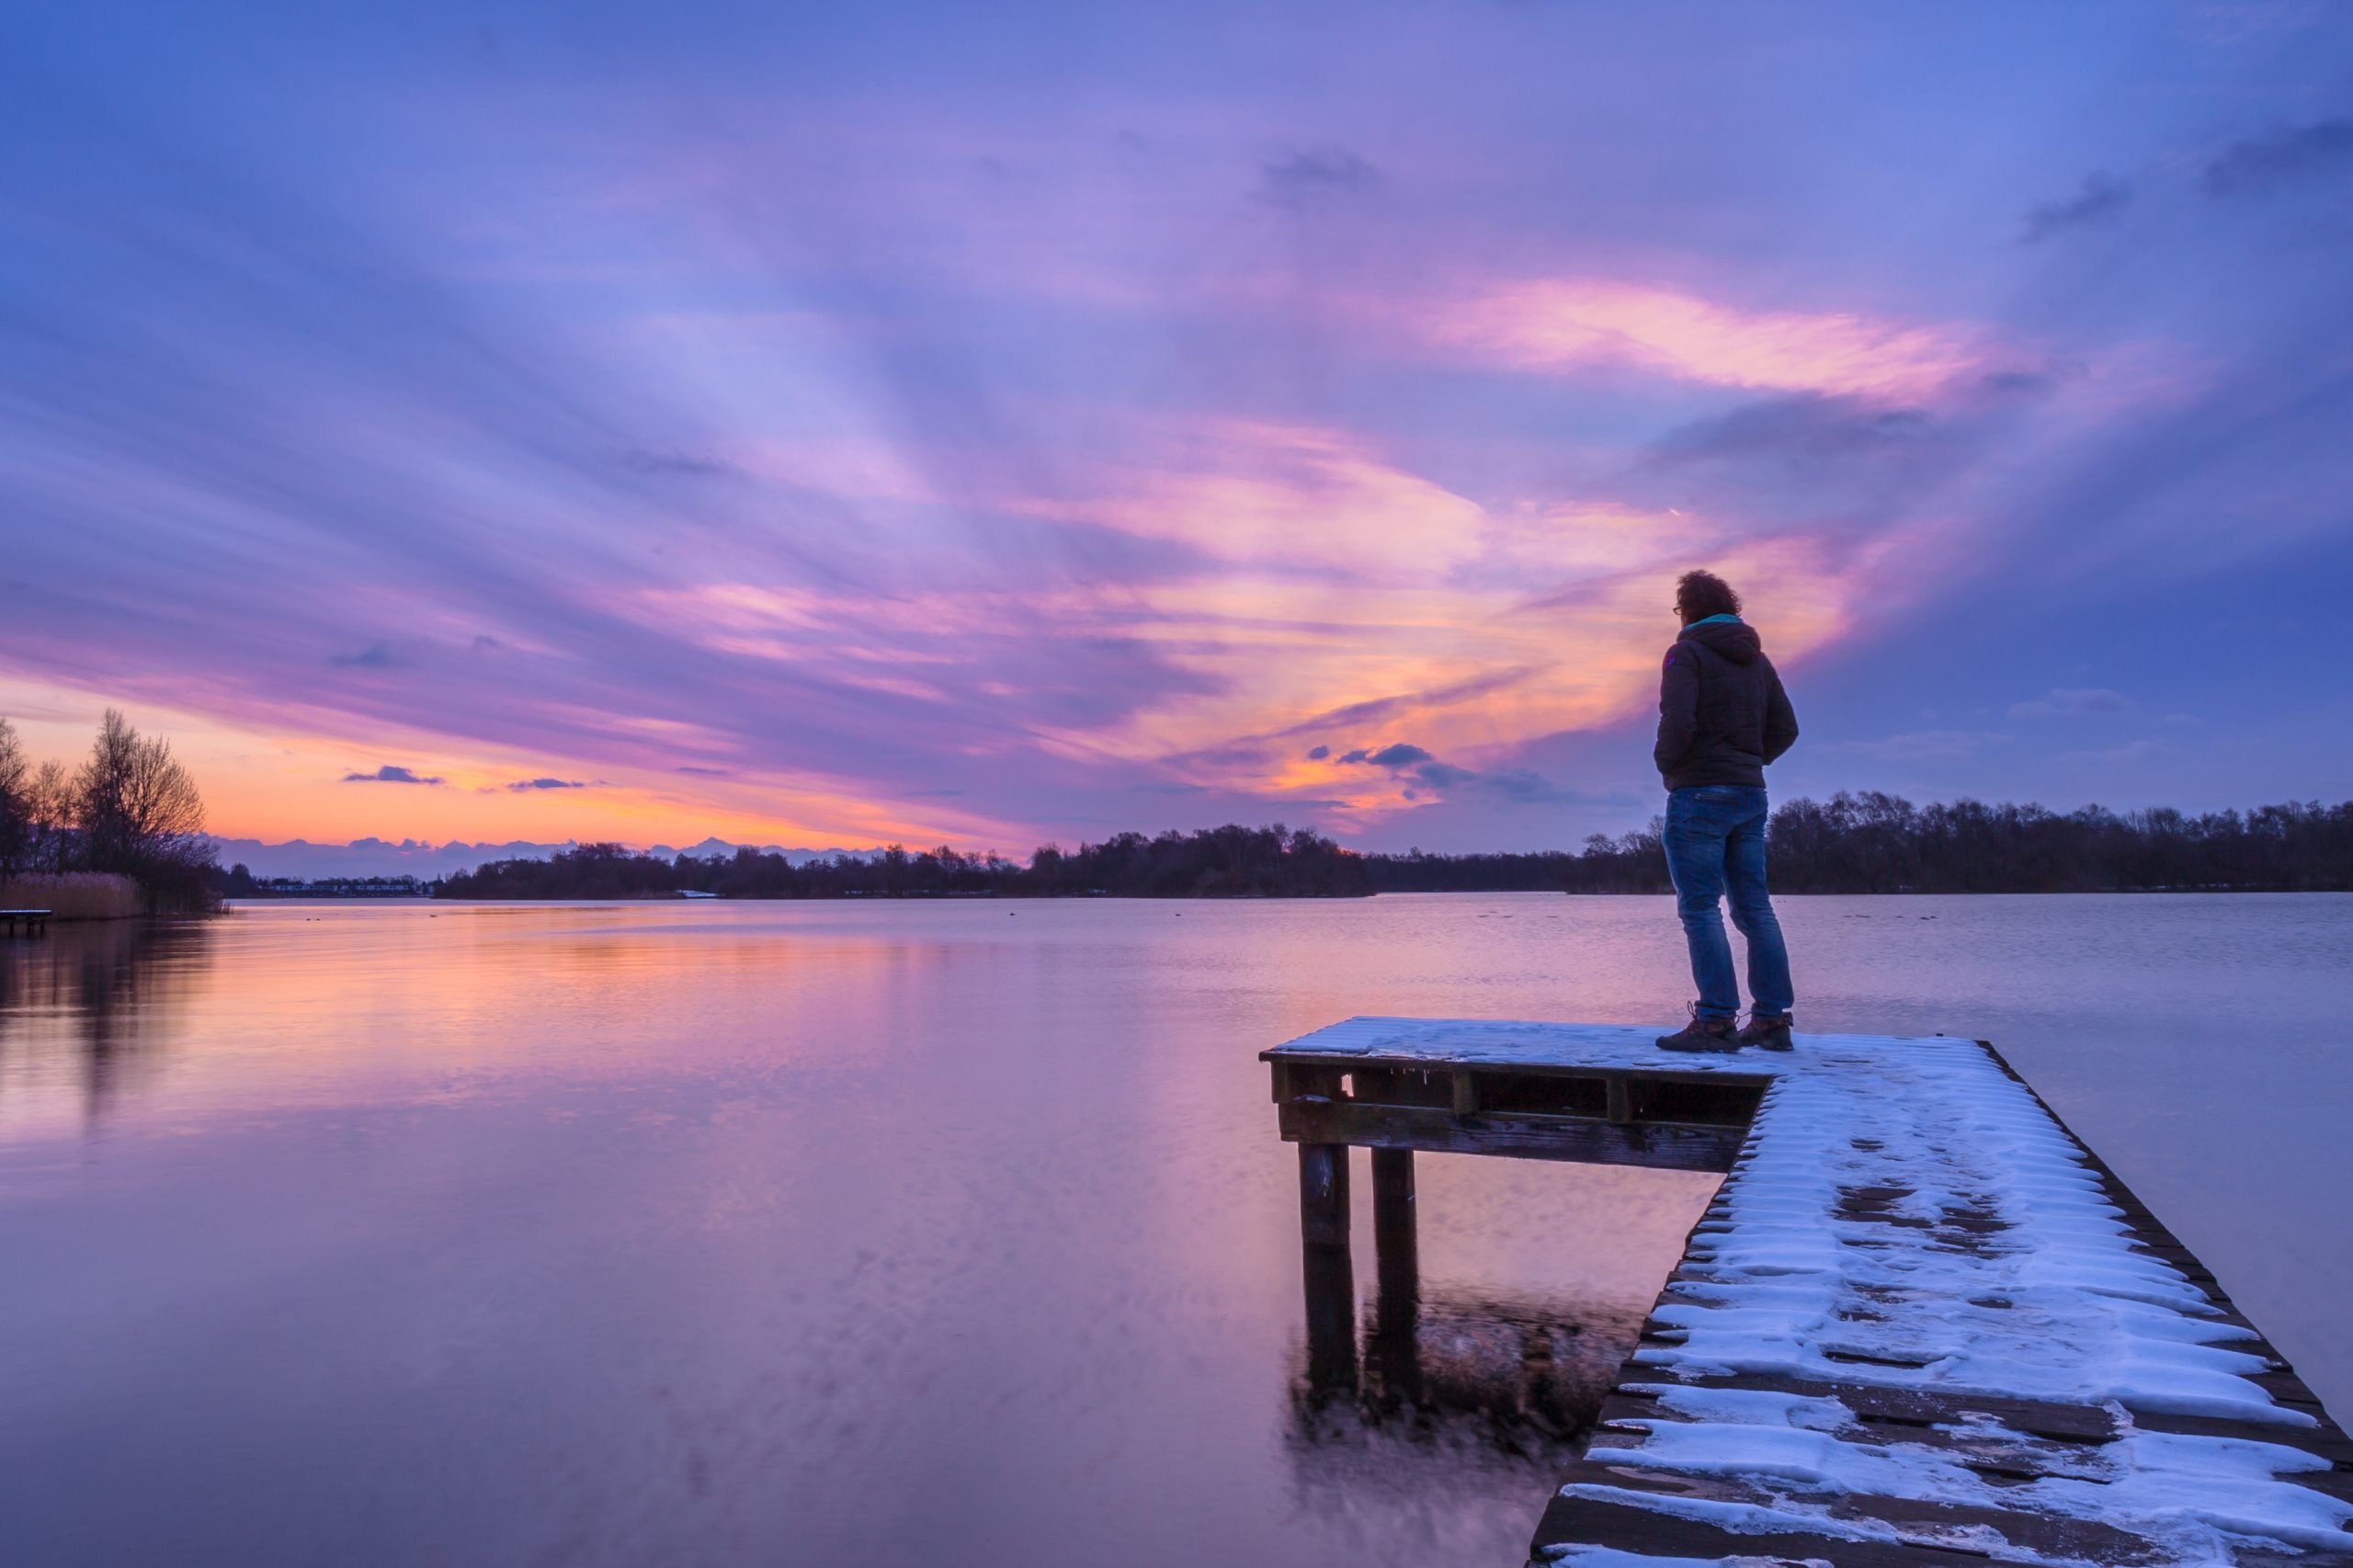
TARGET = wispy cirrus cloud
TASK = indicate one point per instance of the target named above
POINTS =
(1921, 747)
(2280, 157)
(1576, 323)
(1305, 179)
(2071, 702)
(2101, 199)
(1279, 495)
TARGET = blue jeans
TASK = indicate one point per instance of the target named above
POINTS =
(1715, 843)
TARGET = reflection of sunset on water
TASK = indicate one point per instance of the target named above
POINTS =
(717, 1222)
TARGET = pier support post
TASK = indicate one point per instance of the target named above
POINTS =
(1324, 1197)
(1329, 1272)
(1396, 1347)
(1394, 1239)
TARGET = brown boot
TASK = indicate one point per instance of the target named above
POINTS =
(1701, 1034)
(1768, 1029)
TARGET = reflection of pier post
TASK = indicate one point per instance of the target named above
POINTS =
(1396, 1347)
(1330, 1274)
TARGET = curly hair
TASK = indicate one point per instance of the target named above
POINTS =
(1699, 595)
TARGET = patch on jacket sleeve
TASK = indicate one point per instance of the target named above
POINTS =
(1670, 660)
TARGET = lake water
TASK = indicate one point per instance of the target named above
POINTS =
(920, 1234)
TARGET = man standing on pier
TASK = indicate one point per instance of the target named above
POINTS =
(1721, 717)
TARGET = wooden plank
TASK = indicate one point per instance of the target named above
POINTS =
(1664, 1073)
(1629, 1528)
(1673, 1146)
(1897, 1409)
(1999, 1458)
(2323, 1441)
(1920, 1524)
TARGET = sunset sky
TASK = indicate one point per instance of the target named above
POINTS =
(824, 425)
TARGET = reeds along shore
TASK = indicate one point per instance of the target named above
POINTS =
(74, 895)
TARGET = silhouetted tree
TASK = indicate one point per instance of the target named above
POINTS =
(52, 843)
(16, 804)
(139, 813)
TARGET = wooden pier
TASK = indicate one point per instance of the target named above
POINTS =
(1921, 1322)
(32, 920)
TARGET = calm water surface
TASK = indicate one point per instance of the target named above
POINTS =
(918, 1234)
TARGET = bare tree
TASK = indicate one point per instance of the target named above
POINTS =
(16, 804)
(49, 811)
(138, 809)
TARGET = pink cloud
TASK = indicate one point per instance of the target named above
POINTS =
(1268, 493)
(1554, 325)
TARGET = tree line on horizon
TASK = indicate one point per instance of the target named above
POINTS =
(1219, 862)
(1870, 842)
(129, 810)
(1854, 843)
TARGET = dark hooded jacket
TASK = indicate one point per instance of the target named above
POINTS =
(1722, 712)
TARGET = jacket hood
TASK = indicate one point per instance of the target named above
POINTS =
(1734, 640)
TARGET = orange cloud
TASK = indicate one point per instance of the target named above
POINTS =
(280, 781)
(1468, 630)
(1468, 673)
(1350, 587)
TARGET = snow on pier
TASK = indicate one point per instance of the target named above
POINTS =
(1921, 1322)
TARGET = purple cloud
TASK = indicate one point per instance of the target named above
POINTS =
(2262, 162)
(389, 773)
(1310, 177)
(2101, 199)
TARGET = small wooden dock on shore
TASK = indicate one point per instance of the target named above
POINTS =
(1921, 1322)
(31, 920)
